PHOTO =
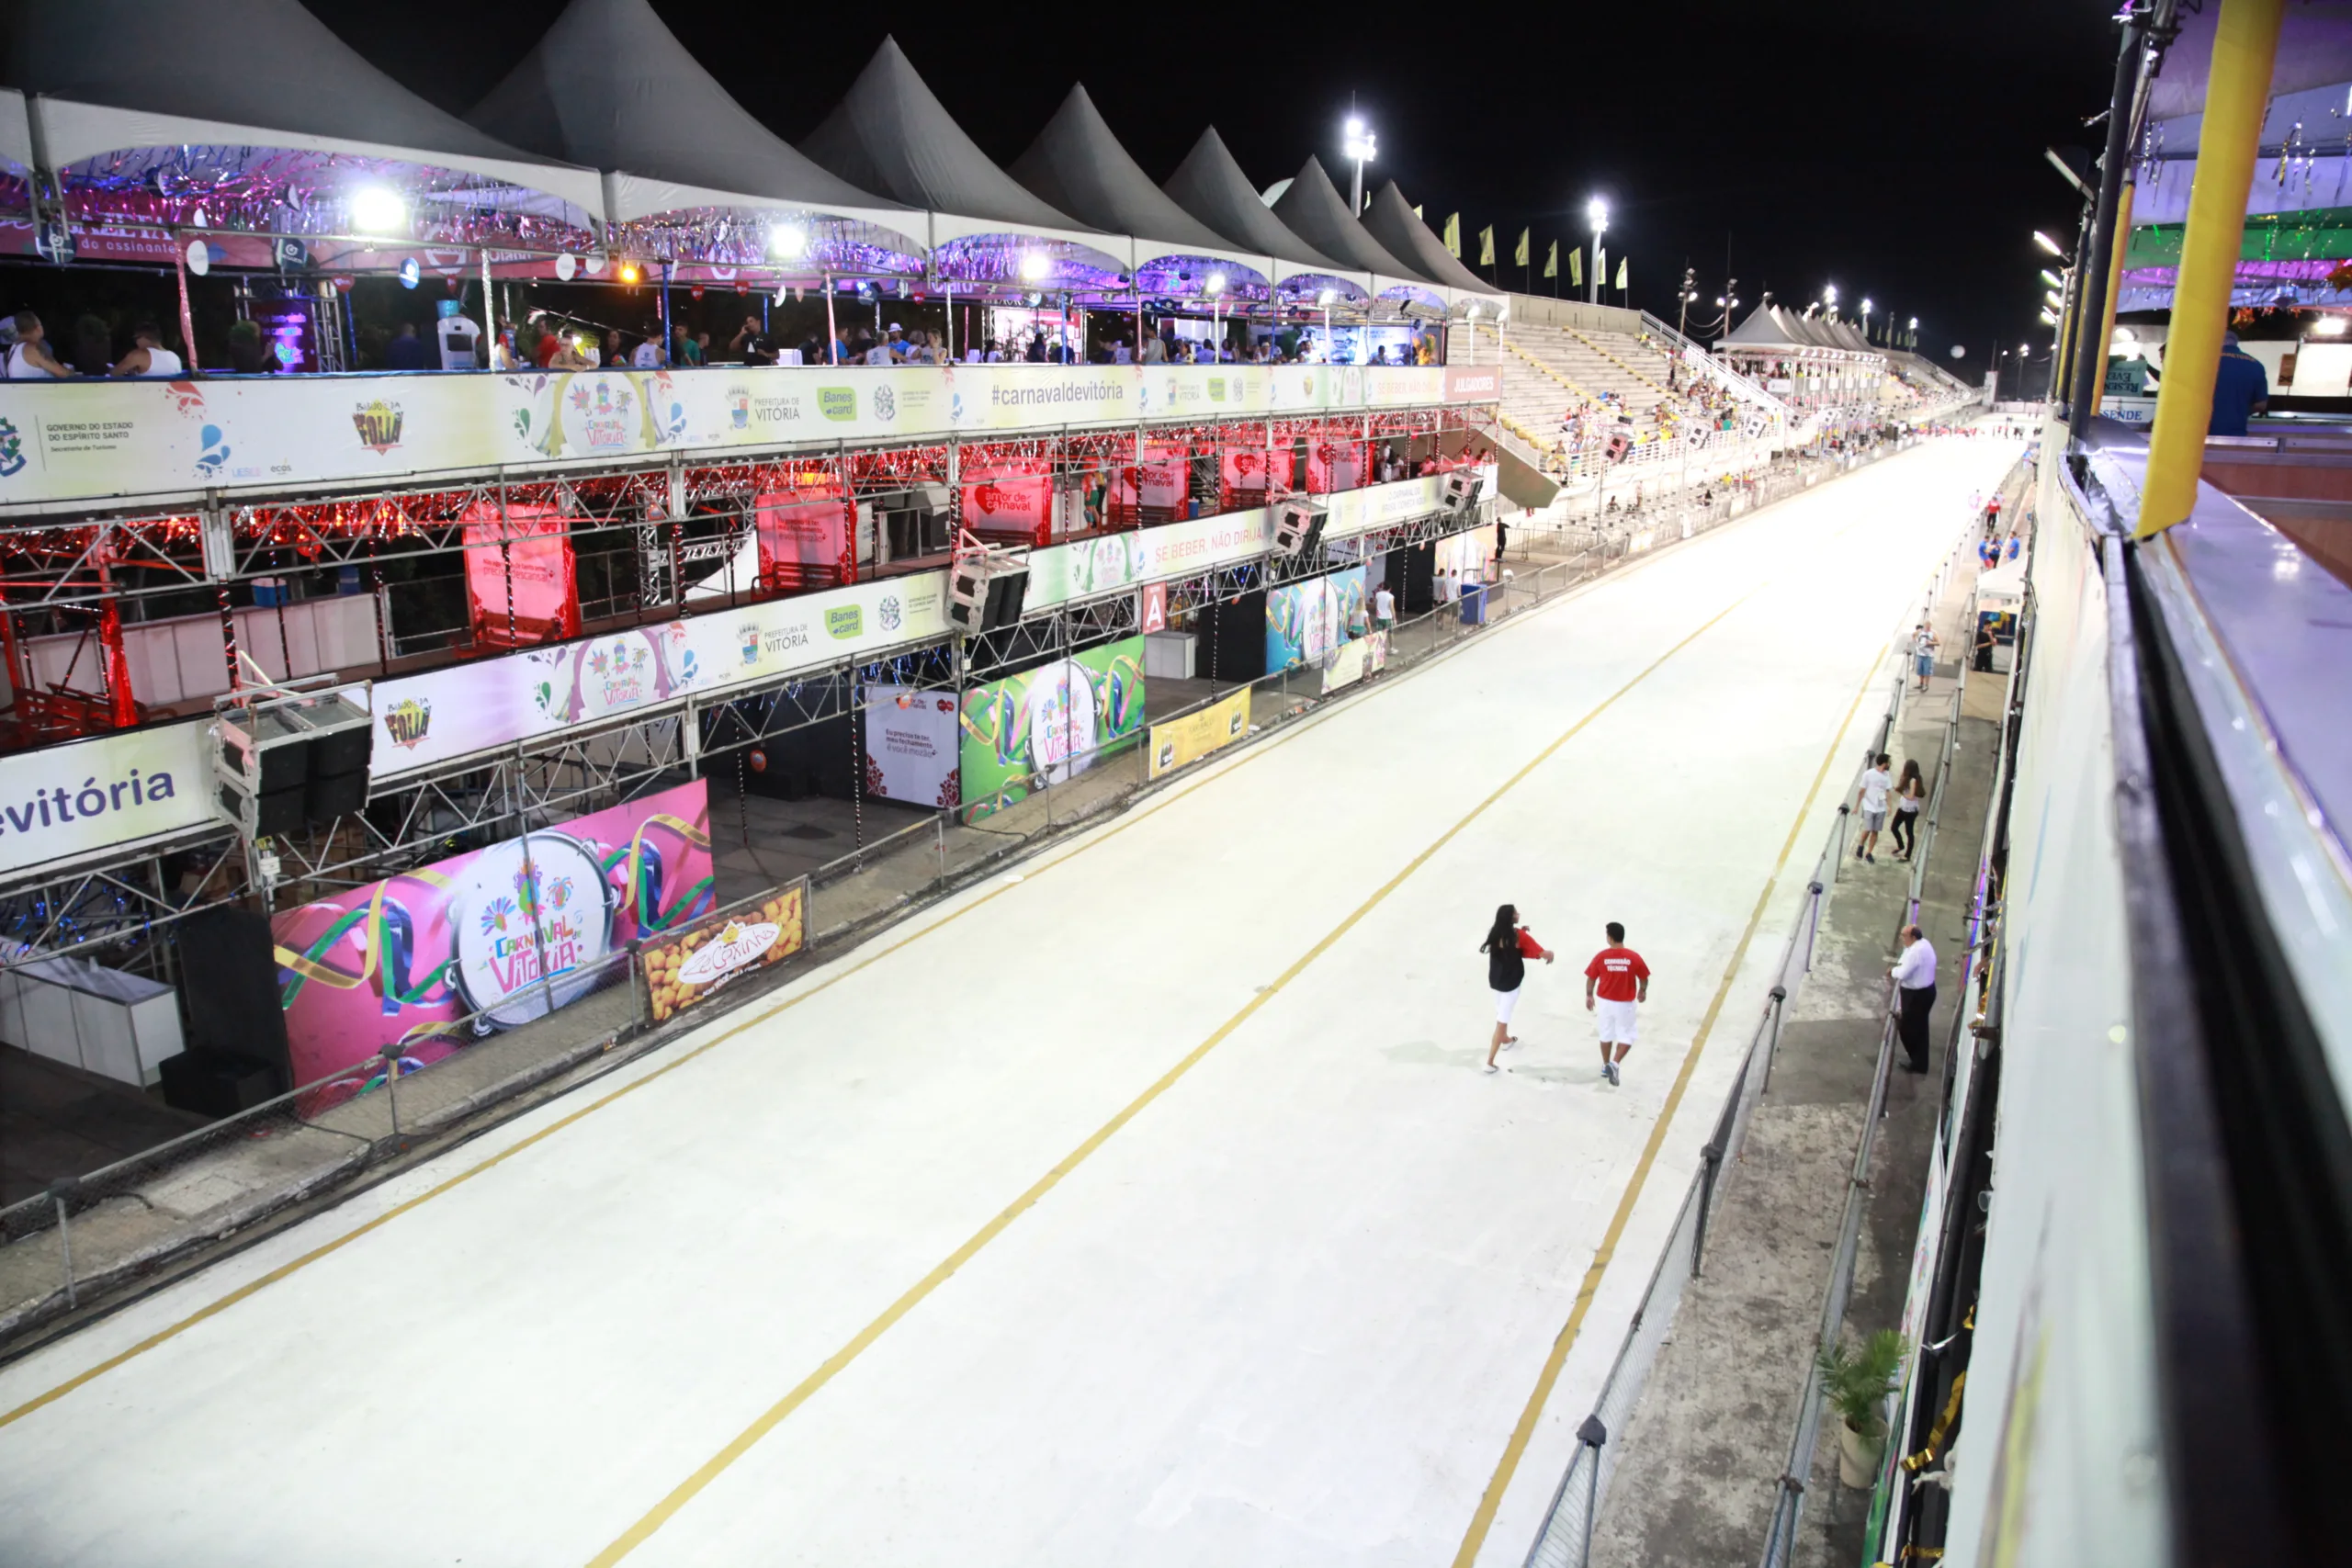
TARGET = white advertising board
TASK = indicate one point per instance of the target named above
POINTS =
(912, 743)
(106, 792)
(87, 440)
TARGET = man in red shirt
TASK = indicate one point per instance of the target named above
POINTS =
(1613, 982)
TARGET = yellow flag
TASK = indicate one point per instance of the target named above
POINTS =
(1552, 261)
(1454, 235)
(1575, 267)
(1621, 272)
(1518, 257)
(1486, 245)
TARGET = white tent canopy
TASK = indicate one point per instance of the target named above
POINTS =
(151, 90)
(609, 85)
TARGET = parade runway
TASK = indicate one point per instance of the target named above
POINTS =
(1143, 1205)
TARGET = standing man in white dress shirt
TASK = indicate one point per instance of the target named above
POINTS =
(1915, 981)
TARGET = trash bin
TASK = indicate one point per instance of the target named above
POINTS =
(1474, 604)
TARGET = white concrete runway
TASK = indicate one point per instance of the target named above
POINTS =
(1290, 1312)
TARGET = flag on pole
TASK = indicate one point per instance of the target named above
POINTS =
(1621, 274)
(1575, 267)
(1454, 235)
(1518, 257)
(1486, 245)
(1552, 261)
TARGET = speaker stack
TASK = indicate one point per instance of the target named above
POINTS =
(1461, 490)
(1298, 527)
(986, 589)
(287, 762)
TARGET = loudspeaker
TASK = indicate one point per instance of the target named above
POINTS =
(215, 1083)
(1298, 527)
(1460, 491)
(228, 969)
(1008, 591)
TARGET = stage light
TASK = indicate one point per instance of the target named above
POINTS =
(2047, 243)
(375, 209)
(1217, 282)
(2326, 326)
(1034, 265)
(630, 273)
(1326, 297)
(787, 241)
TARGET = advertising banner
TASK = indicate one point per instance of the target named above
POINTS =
(443, 715)
(1307, 620)
(106, 792)
(519, 582)
(404, 961)
(92, 439)
(802, 534)
(1047, 725)
(687, 964)
(911, 745)
(1004, 503)
(1345, 665)
(1172, 745)
(1462, 559)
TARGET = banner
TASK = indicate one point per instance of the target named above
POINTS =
(520, 586)
(1187, 739)
(93, 439)
(107, 792)
(1003, 502)
(1345, 665)
(468, 708)
(410, 961)
(1037, 729)
(687, 965)
(1307, 620)
(802, 534)
(911, 745)
(1461, 559)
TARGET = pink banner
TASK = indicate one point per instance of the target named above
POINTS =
(435, 958)
(1000, 501)
(802, 534)
(518, 576)
(1334, 466)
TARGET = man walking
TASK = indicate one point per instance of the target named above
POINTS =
(1871, 799)
(1915, 982)
(1923, 654)
(1613, 982)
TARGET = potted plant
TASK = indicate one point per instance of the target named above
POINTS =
(1855, 1381)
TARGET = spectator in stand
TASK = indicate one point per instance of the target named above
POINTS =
(547, 343)
(248, 354)
(750, 345)
(406, 351)
(649, 353)
(93, 346)
(148, 356)
(1155, 350)
(1036, 352)
(571, 352)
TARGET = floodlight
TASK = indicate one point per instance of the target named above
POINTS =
(375, 209)
(787, 241)
(2047, 243)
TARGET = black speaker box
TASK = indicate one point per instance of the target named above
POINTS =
(1007, 592)
(229, 972)
(216, 1084)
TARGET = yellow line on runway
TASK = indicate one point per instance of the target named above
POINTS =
(686, 1490)
(1475, 1538)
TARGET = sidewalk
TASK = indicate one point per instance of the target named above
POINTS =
(1699, 1462)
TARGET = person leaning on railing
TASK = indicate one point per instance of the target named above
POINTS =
(29, 357)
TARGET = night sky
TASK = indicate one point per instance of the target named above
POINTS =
(1892, 150)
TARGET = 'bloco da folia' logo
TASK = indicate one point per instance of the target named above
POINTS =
(379, 424)
(408, 721)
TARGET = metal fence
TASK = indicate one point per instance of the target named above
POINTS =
(1565, 1538)
(119, 1225)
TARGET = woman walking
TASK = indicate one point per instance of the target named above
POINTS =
(1508, 947)
(1910, 794)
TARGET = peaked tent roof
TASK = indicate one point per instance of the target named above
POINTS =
(1079, 165)
(1313, 208)
(1211, 186)
(609, 85)
(1388, 217)
(1763, 328)
(890, 133)
(121, 73)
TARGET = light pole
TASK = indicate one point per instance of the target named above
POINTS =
(1911, 336)
(1829, 300)
(1866, 318)
(1596, 213)
(1682, 320)
(1362, 145)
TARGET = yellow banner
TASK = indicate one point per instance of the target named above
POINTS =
(1194, 736)
(682, 967)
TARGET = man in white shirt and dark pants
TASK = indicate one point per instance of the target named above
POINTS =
(1915, 986)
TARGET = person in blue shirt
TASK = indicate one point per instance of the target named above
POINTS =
(405, 351)
(2240, 388)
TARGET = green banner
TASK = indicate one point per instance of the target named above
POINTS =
(1047, 725)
